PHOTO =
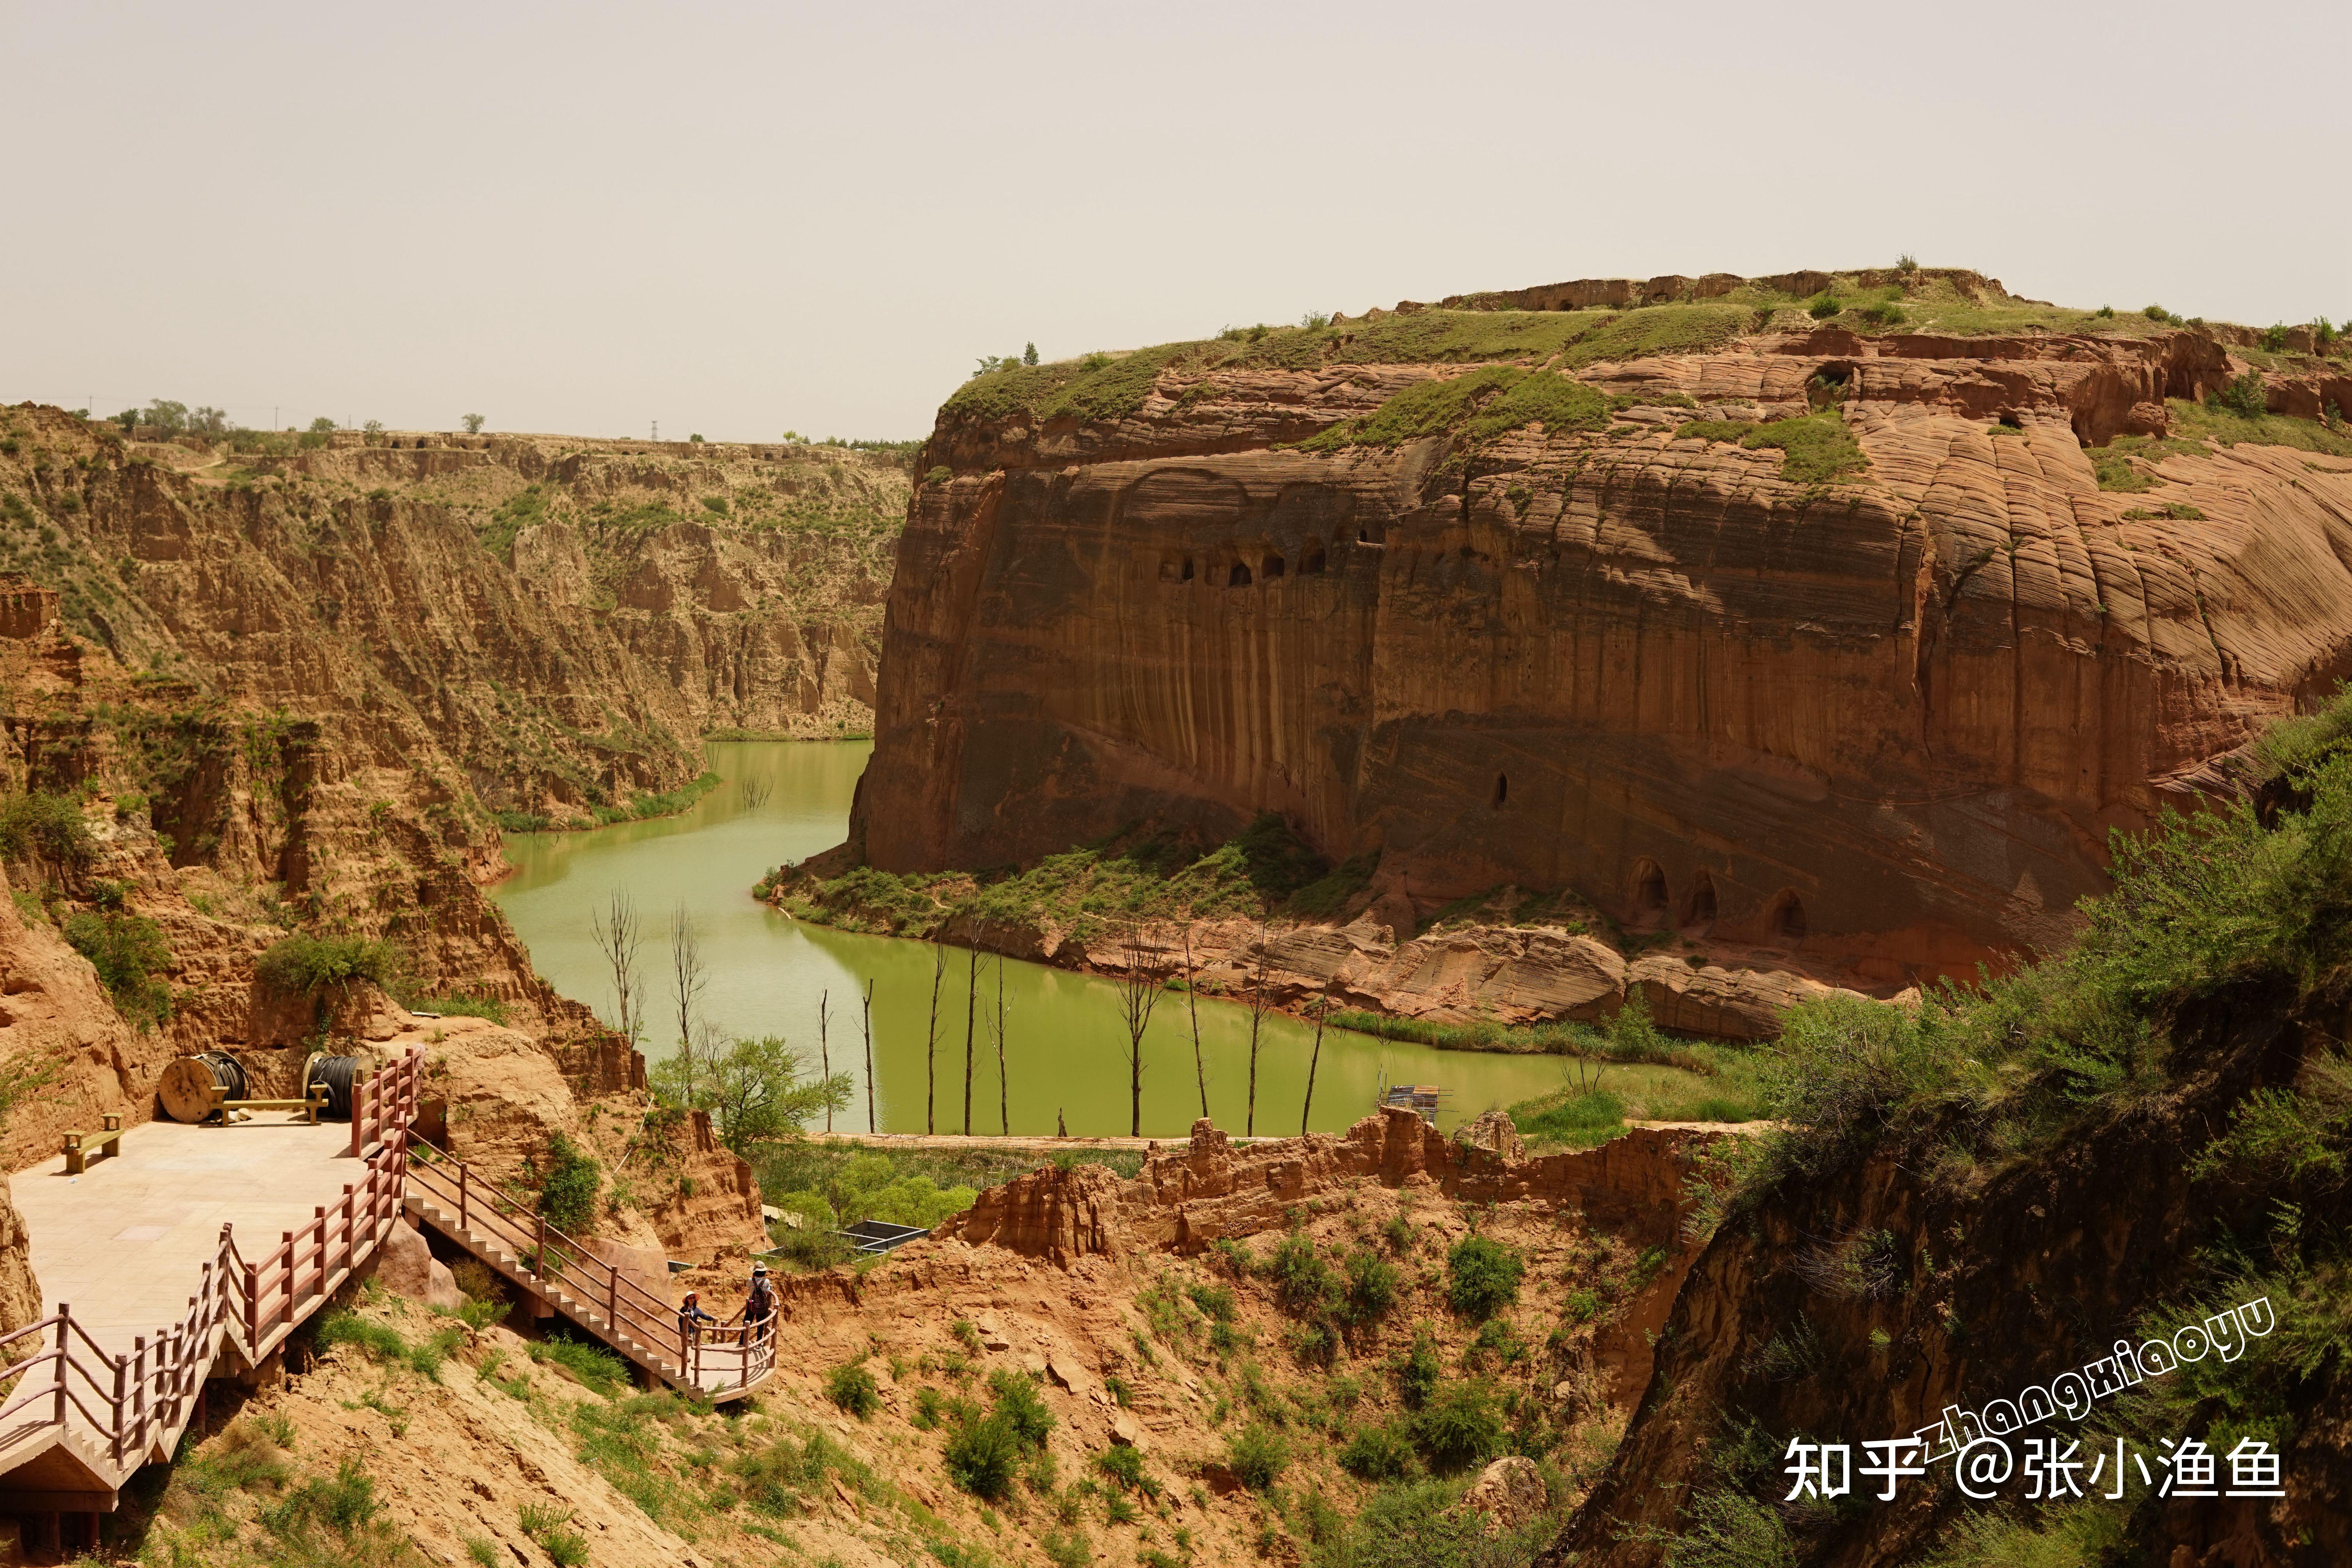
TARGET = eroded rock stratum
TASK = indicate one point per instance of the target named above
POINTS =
(1886, 715)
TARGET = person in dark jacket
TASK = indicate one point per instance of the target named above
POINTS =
(690, 1315)
(760, 1306)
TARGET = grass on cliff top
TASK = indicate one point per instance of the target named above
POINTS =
(1137, 875)
(1479, 405)
(1816, 448)
(2129, 464)
(1098, 386)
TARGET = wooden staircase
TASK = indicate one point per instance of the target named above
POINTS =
(722, 1362)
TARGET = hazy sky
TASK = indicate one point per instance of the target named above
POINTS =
(736, 219)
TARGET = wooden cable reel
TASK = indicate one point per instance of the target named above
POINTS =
(334, 1076)
(193, 1087)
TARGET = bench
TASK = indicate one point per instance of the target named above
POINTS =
(83, 1147)
(224, 1105)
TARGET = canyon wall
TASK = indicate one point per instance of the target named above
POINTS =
(245, 697)
(1886, 718)
(559, 620)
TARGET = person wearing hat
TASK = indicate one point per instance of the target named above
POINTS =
(760, 1306)
(690, 1315)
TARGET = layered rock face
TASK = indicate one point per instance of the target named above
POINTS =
(563, 619)
(1888, 721)
(236, 705)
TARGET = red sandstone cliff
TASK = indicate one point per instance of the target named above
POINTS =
(1890, 718)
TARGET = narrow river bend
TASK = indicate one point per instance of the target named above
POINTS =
(1067, 1047)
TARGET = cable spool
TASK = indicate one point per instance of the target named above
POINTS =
(189, 1085)
(336, 1074)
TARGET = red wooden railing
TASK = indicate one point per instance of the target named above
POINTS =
(134, 1401)
(714, 1357)
(132, 1404)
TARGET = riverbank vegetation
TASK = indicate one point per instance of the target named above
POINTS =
(1137, 874)
(825, 1185)
(669, 803)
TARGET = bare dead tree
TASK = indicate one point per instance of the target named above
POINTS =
(619, 934)
(870, 1125)
(970, 1021)
(1192, 1005)
(1322, 1009)
(756, 792)
(1257, 1022)
(931, 1042)
(1006, 1115)
(689, 976)
(1139, 982)
(825, 1046)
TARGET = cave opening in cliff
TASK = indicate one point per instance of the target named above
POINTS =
(1701, 909)
(1274, 567)
(1311, 563)
(1648, 891)
(1789, 917)
(1187, 574)
(1502, 788)
(1239, 577)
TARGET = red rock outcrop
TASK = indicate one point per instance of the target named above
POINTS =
(1886, 722)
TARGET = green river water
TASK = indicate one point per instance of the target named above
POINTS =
(1066, 1045)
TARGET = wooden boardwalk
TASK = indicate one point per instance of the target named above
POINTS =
(193, 1252)
(123, 1243)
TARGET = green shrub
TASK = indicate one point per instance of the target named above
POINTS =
(1377, 1454)
(48, 826)
(983, 1456)
(1373, 1283)
(1483, 1277)
(1418, 1371)
(303, 965)
(1257, 1456)
(1217, 1301)
(1459, 1428)
(1019, 1406)
(853, 1388)
(1301, 1279)
(519, 821)
(1822, 307)
(567, 1189)
(131, 956)
(1125, 1466)
(2247, 396)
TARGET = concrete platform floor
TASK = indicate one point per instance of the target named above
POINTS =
(126, 1241)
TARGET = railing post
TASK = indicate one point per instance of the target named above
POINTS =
(65, 1326)
(351, 1228)
(139, 1400)
(252, 1308)
(539, 1252)
(286, 1245)
(464, 1173)
(122, 1372)
(612, 1298)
